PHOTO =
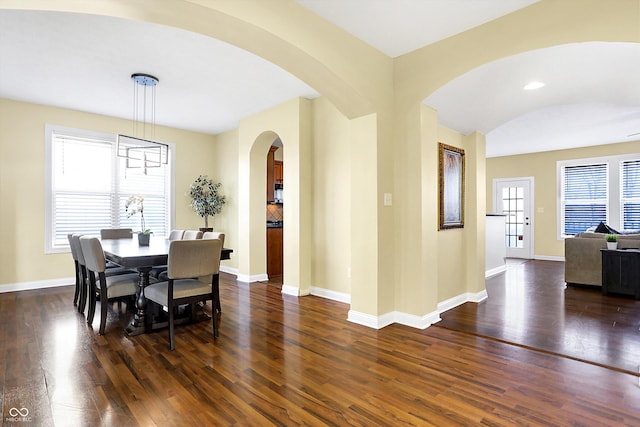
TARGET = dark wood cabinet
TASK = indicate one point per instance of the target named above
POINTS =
(275, 173)
(278, 171)
(274, 251)
(621, 272)
(270, 174)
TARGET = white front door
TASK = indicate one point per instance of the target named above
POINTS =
(513, 197)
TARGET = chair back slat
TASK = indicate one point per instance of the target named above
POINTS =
(194, 258)
(93, 254)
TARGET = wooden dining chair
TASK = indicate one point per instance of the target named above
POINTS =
(189, 260)
(109, 287)
(219, 236)
(192, 235)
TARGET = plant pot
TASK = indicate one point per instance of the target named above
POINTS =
(143, 239)
(204, 230)
(612, 245)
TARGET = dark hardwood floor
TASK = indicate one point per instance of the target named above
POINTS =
(529, 305)
(282, 360)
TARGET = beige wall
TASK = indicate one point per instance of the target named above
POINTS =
(225, 171)
(331, 192)
(461, 251)
(542, 167)
(400, 263)
(22, 181)
(451, 242)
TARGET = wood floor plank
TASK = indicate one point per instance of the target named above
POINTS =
(282, 360)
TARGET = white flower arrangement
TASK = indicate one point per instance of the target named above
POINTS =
(134, 205)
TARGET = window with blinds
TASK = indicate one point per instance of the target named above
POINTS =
(631, 195)
(89, 185)
(605, 189)
(584, 197)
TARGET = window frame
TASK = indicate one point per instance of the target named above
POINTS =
(614, 188)
(50, 130)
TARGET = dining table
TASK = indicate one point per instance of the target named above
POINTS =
(128, 253)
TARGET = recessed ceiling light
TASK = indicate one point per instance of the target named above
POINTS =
(533, 86)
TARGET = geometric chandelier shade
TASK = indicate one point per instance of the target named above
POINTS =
(141, 151)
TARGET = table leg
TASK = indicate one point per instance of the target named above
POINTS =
(137, 325)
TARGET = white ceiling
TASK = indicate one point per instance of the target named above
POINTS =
(591, 96)
(83, 62)
(396, 27)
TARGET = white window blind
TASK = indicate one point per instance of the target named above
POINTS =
(631, 194)
(89, 185)
(584, 197)
(603, 189)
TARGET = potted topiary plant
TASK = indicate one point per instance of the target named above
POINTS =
(206, 199)
(612, 241)
(134, 205)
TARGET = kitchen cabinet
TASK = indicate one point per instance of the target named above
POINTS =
(270, 174)
(278, 171)
(274, 252)
(275, 175)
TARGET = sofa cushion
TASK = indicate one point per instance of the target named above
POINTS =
(590, 236)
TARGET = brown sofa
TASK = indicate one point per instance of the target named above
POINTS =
(583, 260)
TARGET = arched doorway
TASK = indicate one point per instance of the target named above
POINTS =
(287, 122)
(275, 212)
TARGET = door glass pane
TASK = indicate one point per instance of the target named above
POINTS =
(513, 207)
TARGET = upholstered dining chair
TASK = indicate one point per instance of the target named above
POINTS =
(219, 236)
(192, 235)
(74, 255)
(82, 266)
(116, 233)
(176, 235)
(109, 287)
(160, 272)
(188, 261)
(214, 235)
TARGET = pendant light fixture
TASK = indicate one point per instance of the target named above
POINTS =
(141, 150)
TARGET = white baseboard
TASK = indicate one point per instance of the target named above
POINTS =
(379, 322)
(461, 299)
(332, 295)
(293, 290)
(40, 284)
(495, 271)
(370, 321)
(229, 270)
(418, 322)
(549, 258)
(249, 279)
